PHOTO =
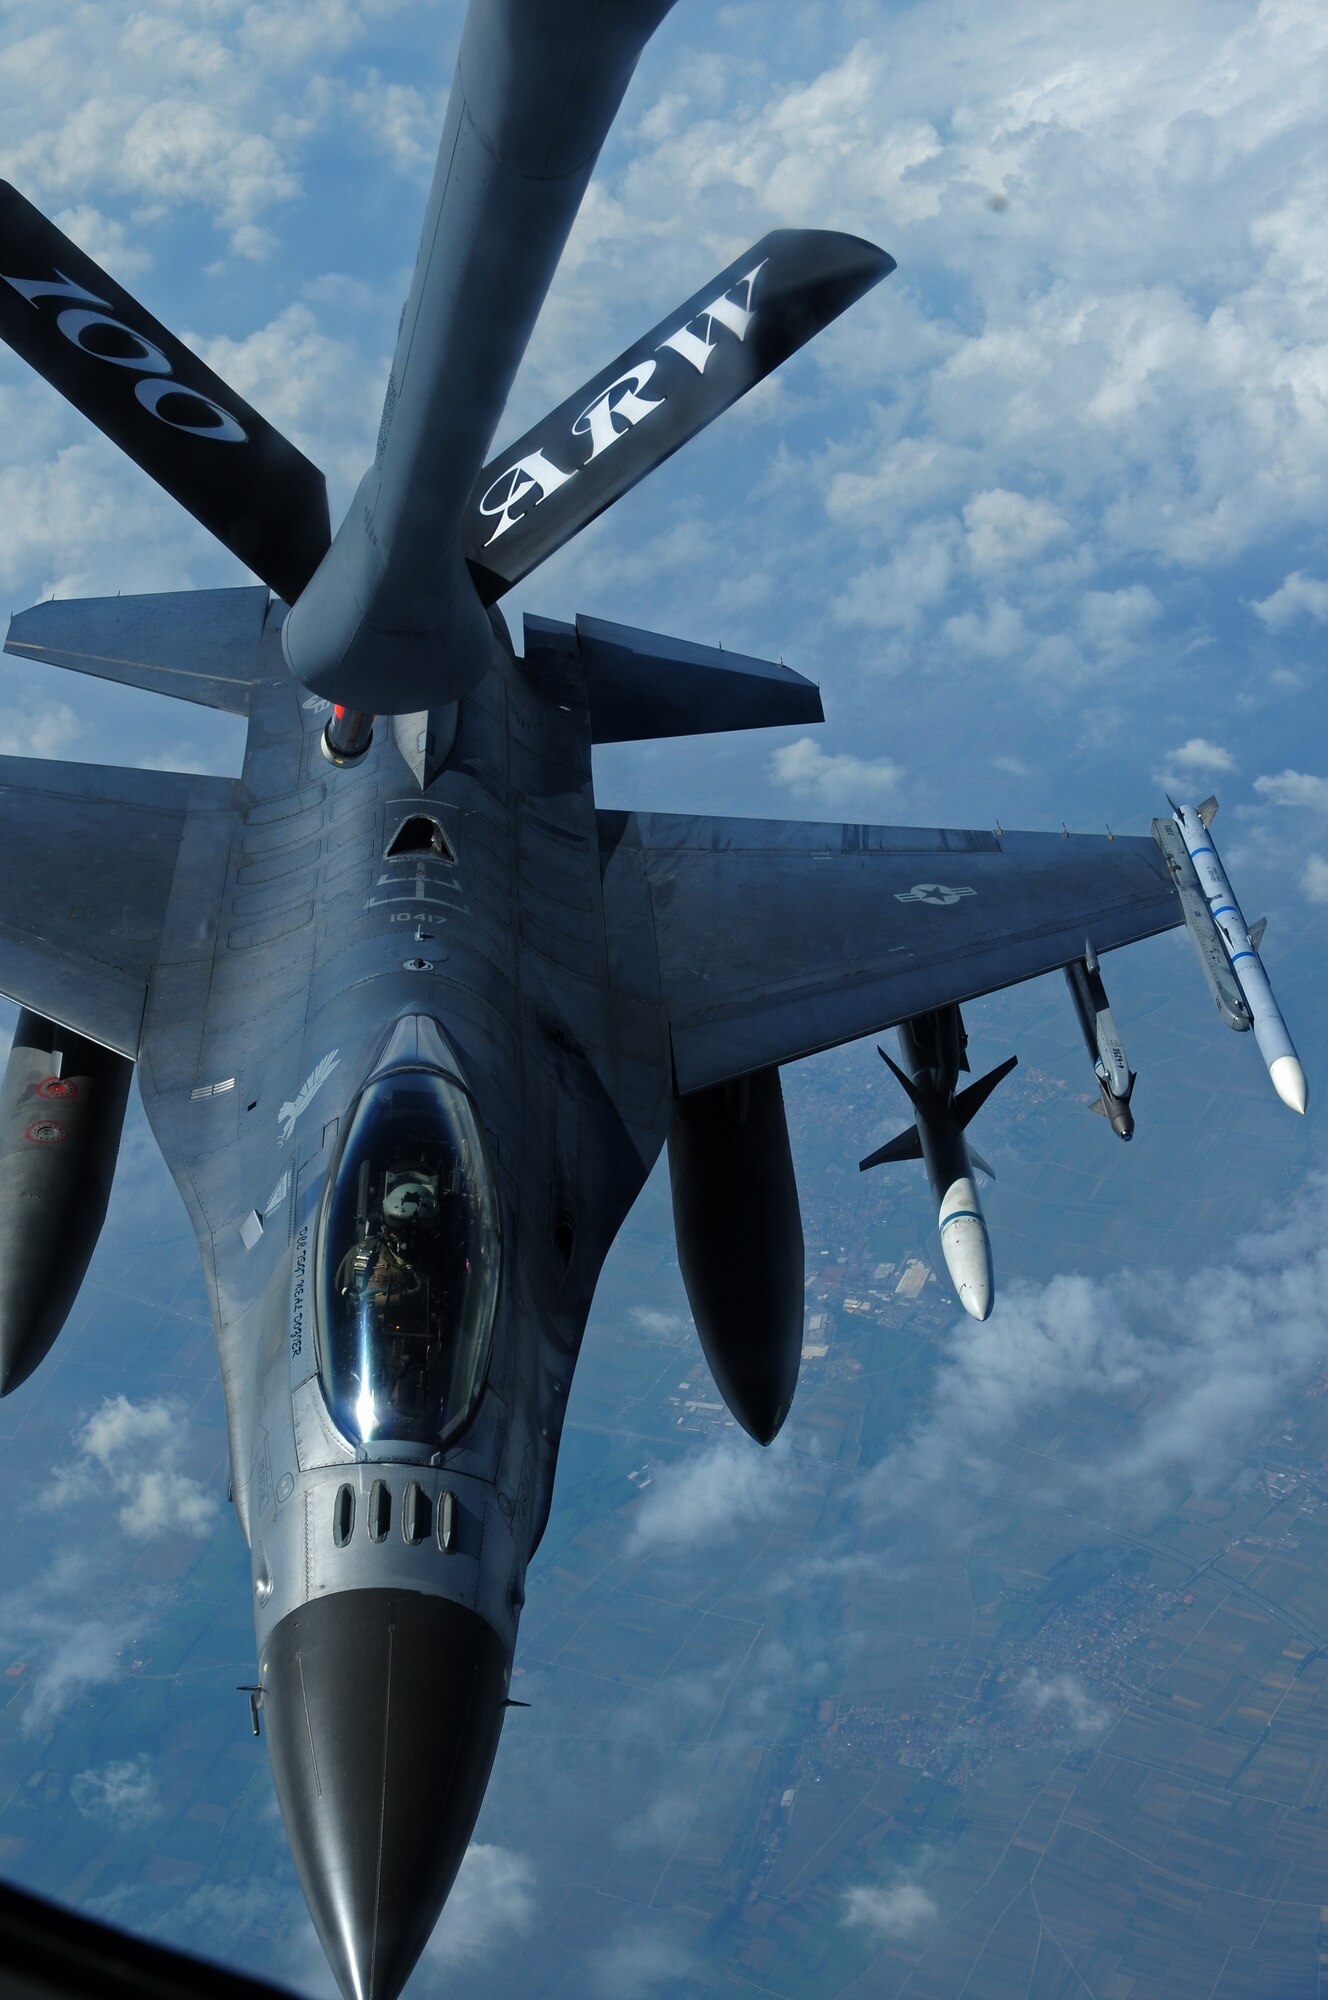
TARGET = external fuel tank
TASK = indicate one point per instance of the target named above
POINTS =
(740, 1249)
(62, 1108)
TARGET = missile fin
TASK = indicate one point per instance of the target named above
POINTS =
(908, 1146)
(982, 1165)
(969, 1102)
(1207, 812)
(1098, 1107)
(914, 1095)
(1257, 931)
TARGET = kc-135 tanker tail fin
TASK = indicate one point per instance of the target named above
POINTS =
(153, 397)
(543, 489)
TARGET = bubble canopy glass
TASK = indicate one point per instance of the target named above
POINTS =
(408, 1263)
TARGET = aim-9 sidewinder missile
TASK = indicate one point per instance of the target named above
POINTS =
(1240, 947)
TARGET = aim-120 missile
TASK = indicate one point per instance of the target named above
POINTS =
(937, 1139)
(1270, 1030)
(1113, 1075)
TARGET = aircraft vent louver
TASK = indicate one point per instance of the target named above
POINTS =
(380, 1510)
(416, 1514)
(420, 835)
(343, 1516)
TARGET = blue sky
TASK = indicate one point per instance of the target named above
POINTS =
(1043, 514)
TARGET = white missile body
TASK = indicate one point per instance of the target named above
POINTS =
(937, 1139)
(1270, 1030)
(965, 1245)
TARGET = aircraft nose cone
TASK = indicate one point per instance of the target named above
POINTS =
(383, 1710)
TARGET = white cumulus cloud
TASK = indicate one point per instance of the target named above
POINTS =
(836, 783)
(1199, 755)
(897, 1911)
(74, 1634)
(124, 1793)
(1205, 1359)
(703, 1499)
(492, 1901)
(1294, 788)
(1300, 596)
(140, 1450)
(32, 727)
(641, 1964)
(1314, 880)
(1064, 1697)
(1007, 528)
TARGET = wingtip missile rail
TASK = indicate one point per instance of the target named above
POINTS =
(1228, 950)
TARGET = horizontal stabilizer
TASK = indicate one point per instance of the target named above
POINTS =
(640, 685)
(969, 1102)
(657, 394)
(198, 645)
(907, 1146)
(144, 388)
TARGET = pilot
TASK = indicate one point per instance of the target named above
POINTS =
(412, 1198)
(373, 1268)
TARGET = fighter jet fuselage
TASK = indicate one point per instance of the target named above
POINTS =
(439, 1123)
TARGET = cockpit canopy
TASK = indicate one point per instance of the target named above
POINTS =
(408, 1264)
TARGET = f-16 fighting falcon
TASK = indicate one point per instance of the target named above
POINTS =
(412, 1020)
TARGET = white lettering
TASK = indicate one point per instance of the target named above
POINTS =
(514, 485)
(725, 312)
(151, 391)
(58, 287)
(596, 421)
(74, 324)
(75, 321)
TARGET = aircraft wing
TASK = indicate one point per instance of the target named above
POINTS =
(91, 860)
(777, 938)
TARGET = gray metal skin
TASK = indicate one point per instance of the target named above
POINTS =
(283, 959)
(390, 620)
